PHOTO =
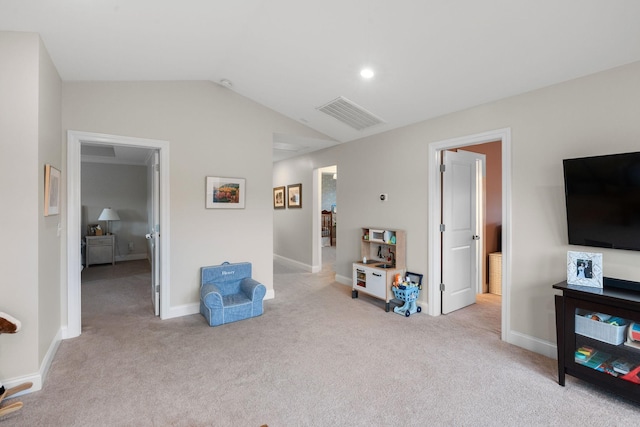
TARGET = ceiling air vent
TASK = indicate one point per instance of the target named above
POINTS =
(350, 114)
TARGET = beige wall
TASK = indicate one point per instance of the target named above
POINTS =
(593, 115)
(212, 131)
(30, 138)
(50, 228)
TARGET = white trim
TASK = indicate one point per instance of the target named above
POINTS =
(433, 289)
(298, 264)
(344, 280)
(38, 378)
(534, 344)
(183, 310)
(271, 294)
(74, 141)
(316, 233)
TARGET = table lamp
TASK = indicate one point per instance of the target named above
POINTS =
(108, 215)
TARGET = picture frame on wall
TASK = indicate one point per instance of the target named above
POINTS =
(294, 196)
(584, 269)
(51, 190)
(224, 193)
(279, 197)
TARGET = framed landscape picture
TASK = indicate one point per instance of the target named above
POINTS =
(279, 197)
(294, 196)
(224, 193)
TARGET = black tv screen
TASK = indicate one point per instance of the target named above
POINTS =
(603, 201)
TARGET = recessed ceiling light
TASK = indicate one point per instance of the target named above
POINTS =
(367, 73)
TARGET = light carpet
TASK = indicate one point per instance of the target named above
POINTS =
(316, 357)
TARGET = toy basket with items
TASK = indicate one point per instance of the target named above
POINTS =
(407, 289)
(610, 330)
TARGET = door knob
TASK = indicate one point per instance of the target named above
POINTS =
(476, 237)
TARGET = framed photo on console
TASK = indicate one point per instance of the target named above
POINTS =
(584, 269)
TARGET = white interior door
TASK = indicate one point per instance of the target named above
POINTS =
(461, 236)
(153, 236)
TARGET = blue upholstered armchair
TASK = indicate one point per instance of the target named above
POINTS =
(228, 293)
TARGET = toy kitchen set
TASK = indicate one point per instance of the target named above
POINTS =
(383, 254)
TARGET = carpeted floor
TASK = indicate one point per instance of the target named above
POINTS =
(316, 357)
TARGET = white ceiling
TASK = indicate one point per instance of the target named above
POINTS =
(431, 57)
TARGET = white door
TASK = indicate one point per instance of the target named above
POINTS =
(461, 235)
(153, 236)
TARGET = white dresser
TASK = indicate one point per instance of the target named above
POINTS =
(100, 250)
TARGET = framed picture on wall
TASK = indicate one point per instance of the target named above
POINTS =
(51, 190)
(584, 269)
(279, 196)
(224, 193)
(294, 196)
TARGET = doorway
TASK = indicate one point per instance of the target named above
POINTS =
(116, 184)
(325, 211)
(435, 208)
(75, 139)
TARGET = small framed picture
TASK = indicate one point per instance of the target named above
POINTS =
(294, 196)
(279, 197)
(584, 269)
(51, 190)
(224, 193)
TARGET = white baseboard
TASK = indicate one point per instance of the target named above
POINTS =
(37, 378)
(534, 344)
(344, 280)
(271, 294)
(183, 310)
(294, 263)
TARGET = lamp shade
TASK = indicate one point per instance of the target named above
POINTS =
(108, 214)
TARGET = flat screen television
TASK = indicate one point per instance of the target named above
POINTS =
(602, 196)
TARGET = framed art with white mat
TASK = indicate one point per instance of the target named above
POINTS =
(584, 269)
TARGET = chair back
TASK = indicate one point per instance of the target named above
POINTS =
(226, 276)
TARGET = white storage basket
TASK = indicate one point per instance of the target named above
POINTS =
(600, 331)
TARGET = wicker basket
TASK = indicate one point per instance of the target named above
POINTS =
(495, 273)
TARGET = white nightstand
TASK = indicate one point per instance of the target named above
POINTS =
(100, 250)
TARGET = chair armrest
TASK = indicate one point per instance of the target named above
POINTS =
(252, 288)
(210, 294)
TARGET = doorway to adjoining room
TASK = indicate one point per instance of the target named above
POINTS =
(328, 216)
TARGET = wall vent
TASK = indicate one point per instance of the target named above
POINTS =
(350, 113)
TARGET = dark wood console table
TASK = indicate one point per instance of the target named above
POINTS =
(574, 302)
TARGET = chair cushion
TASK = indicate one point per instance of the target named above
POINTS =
(235, 299)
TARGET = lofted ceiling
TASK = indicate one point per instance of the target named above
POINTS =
(430, 57)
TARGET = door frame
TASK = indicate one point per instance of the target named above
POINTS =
(74, 142)
(435, 250)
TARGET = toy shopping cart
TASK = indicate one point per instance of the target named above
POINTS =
(408, 294)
